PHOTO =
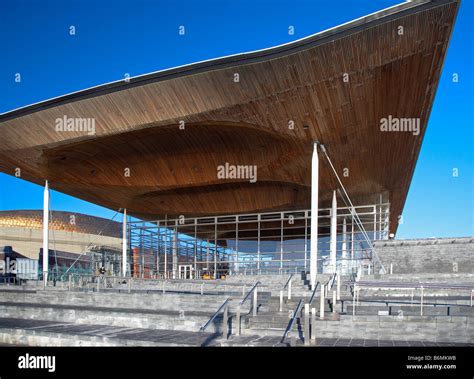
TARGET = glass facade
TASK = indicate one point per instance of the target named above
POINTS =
(277, 242)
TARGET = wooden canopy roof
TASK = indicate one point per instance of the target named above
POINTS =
(173, 171)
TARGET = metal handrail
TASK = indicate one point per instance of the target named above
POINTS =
(332, 280)
(292, 320)
(288, 281)
(408, 285)
(249, 293)
(314, 293)
(241, 302)
(223, 305)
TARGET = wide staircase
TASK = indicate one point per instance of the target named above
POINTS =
(380, 311)
(266, 310)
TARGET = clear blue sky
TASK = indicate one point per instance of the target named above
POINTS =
(138, 37)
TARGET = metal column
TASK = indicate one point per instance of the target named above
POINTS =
(124, 243)
(45, 233)
(175, 252)
(344, 246)
(333, 241)
(313, 262)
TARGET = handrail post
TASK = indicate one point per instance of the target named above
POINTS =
(306, 332)
(69, 283)
(292, 339)
(338, 287)
(354, 300)
(334, 301)
(321, 302)
(255, 291)
(238, 321)
(226, 321)
(421, 302)
(313, 325)
(129, 284)
(281, 300)
(289, 288)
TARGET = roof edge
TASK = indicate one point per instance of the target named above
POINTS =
(319, 38)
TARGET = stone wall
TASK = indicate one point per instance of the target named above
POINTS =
(433, 255)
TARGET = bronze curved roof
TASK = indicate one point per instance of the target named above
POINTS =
(173, 171)
(59, 220)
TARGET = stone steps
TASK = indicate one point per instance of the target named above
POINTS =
(47, 333)
(120, 317)
(427, 328)
(155, 301)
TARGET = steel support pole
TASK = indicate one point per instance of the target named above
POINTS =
(344, 246)
(175, 253)
(352, 242)
(238, 326)
(421, 302)
(216, 249)
(158, 248)
(226, 321)
(166, 248)
(258, 245)
(255, 305)
(45, 233)
(313, 259)
(281, 244)
(306, 326)
(333, 240)
(124, 243)
(321, 302)
(289, 289)
(306, 243)
(354, 301)
(194, 276)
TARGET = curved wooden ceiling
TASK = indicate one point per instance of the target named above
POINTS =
(173, 171)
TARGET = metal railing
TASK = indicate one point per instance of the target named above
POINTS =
(313, 295)
(189, 286)
(407, 286)
(10, 280)
(331, 281)
(225, 321)
(287, 286)
(254, 307)
(291, 323)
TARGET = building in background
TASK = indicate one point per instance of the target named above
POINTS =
(86, 241)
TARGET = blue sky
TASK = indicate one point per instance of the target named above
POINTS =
(115, 38)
